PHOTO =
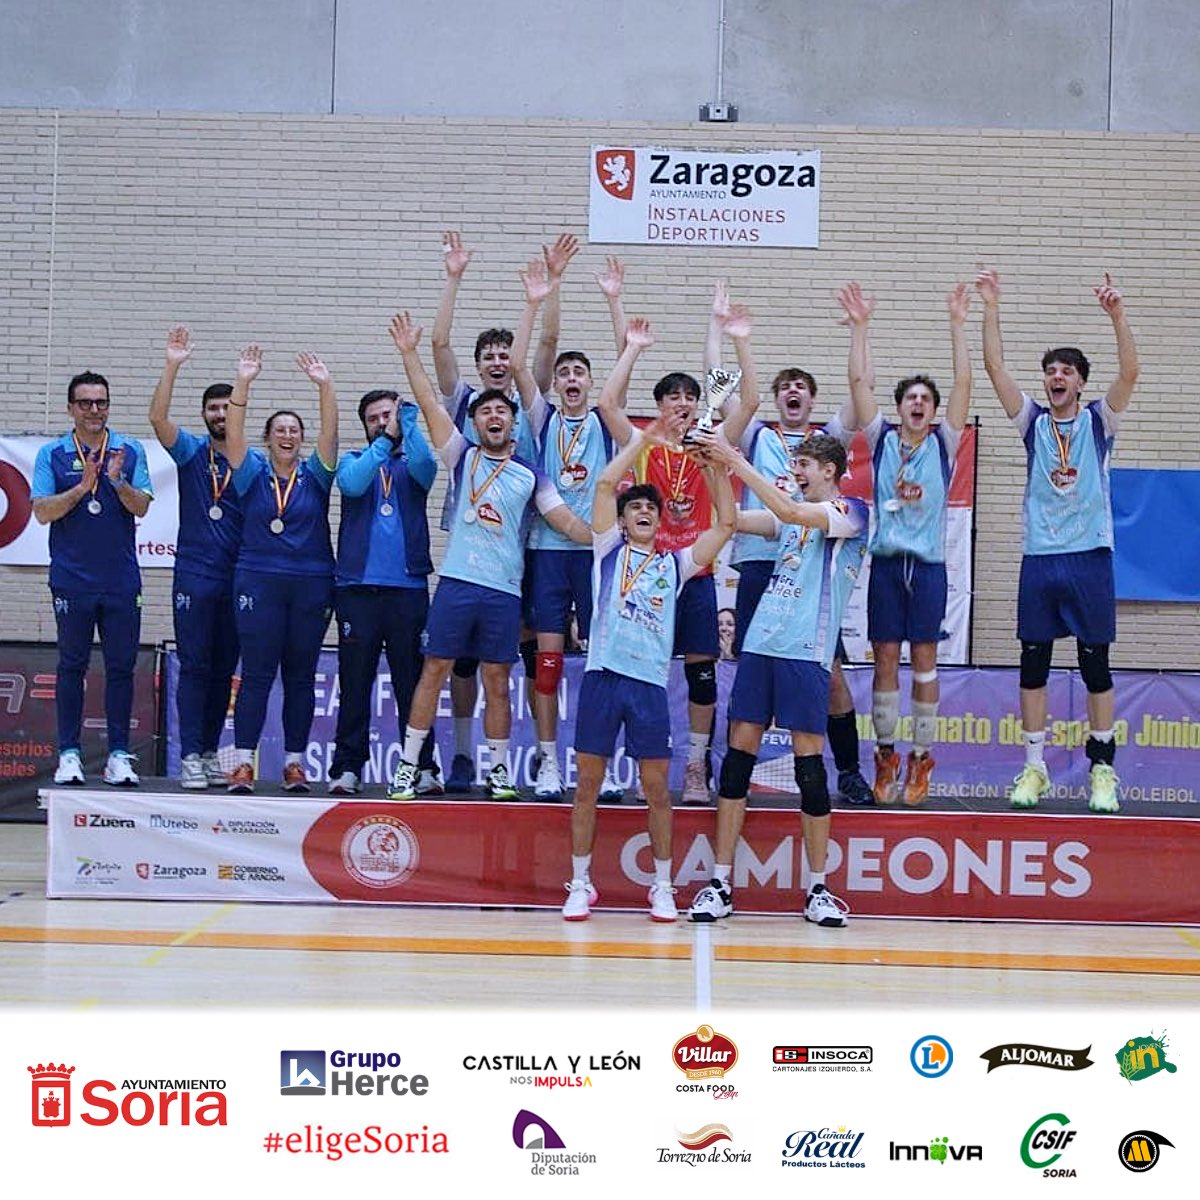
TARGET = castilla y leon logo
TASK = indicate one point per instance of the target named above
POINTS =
(704, 1054)
(1048, 1133)
(1139, 1150)
(1139, 1058)
(144, 1101)
(615, 172)
(1024, 1054)
(380, 851)
(931, 1056)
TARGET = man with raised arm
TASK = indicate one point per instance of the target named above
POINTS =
(1066, 586)
(210, 533)
(771, 448)
(912, 462)
(629, 655)
(476, 611)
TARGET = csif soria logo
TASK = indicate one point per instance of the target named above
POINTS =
(141, 1102)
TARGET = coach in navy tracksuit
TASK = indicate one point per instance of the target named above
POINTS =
(382, 593)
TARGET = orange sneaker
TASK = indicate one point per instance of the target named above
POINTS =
(916, 780)
(887, 776)
(241, 779)
(293, 778)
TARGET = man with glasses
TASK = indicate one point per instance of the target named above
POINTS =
(89, 486)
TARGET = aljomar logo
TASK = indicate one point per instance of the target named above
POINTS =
(1023, 1054)
(704, 1054)
(1142, 1057)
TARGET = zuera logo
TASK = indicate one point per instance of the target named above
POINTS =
(51, 1094)
(615, 172)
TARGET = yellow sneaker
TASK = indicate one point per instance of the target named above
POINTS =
(1104, 783)
(1030, 786)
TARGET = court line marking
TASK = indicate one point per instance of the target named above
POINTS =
(682, 950)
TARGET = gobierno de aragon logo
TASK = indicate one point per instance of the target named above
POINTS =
(134, 1102)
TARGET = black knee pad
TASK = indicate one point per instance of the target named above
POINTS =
(529, 658)
(465, 668)
(1093, 666)
(735, 774)
(702, 682)
(814, 787)
(1035, 663)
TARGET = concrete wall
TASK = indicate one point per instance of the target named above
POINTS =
(1121, 65)
(310, 231)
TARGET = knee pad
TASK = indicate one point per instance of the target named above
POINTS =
(549, 672)
(702, 682)
(814, 787)
(465, 668)
(1035, 663)
(925, 676)
(529, 657)
(735, 774)
(1093, 666)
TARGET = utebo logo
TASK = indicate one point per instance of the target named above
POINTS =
(144, 1101)
(548, 1152)
(823, 1147)
(1044, 1143)
(931, 1056)
(1139, 1150)
(822, 1058)
(940, 1150)
(701, 1148)
(1023, 1054)
(303, 1073)
(1142, 1057)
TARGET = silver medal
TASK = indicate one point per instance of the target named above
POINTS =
(892, 505)
(566, 480)
(470, 516)
(216, 512)
(386, 510)
(276, 525)
(94, 507)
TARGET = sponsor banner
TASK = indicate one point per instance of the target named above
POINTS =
(966, 865)
(653, 196)
(25, 543)
(29, 729)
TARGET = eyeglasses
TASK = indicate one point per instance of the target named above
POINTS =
(98, 405)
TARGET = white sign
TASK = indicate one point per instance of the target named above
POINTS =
(648, 195)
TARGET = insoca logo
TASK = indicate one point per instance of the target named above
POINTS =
(1142, 1057)
(704, 1054)
(144, 1102)
(380, 851)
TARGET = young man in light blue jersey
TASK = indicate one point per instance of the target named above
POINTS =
(912, 461)
(1066, 586)
(635, 589)
(783, 672)
(771, 448)
(210, 534)
(476, 612)
(89, 486)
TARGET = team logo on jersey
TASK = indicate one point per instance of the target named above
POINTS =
(786, 484)
(490, 516)
(572, 475)
(680, 507)
(615, 171)
(908, 492)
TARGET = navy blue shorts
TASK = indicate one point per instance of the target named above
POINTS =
(906, 599)
(467, 620)
(753, 577)
(696, 618)
(607, 701)
(1063, 595)
(561, 579)
(789, 693)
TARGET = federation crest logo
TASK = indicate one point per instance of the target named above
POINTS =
(380, 851)
(51, 1086)
(615, 171)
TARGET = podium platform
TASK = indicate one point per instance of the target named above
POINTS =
(158, 842)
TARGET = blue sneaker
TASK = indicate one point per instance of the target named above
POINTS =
(462, 774)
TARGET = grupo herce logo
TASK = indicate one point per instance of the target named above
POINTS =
(1141, 1057)
(302, 1072)
(931, 1056)
(380, 851)
(141, 1101)
(1139, 1151)
(1044, 1143)
(348, 1073)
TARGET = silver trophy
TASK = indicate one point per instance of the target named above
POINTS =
(719, 386)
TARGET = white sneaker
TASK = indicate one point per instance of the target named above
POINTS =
(695, 785)
(1030, 786)
(578, 905)
(610, 790)
(498, 785)
(429, 782)
(1104, 784)
(70, 770)
(191, 773)
(824, 908)
(119, 772)
(346, 784)
(404, 782)
(662, 903)
(213, 771)
(548, 785)
(712, 903)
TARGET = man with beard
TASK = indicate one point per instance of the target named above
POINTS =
(1066, 586)
(210, 532)
(476, 612)
(772, 450)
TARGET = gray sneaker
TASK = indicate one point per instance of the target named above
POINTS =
(192, 775)
(213, 771)
(345, 784)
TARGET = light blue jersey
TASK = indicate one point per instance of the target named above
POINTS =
(800, 613)
(572, 453)
(1068, 505)
(912, 489)
(770, 451)
(633, 607)
(494, 500)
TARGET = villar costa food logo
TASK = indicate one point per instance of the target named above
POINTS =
(615, 172)
(704, 1054)
(144, 1101)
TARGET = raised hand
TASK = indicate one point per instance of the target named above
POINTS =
(538, 284)
(112, 468)
(557, 256)
(720, 303)
(612, 278)
(736, 320)
(856, 304)
(455, 255)
(405, 333)
(987, 284)
(179, 346)
(313, 367)
(1110, 299)
(637, 333)
(249, 364)
(958, 303)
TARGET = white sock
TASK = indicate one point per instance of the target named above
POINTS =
(1034, 745)
(244, 757)
(292, 756)
(885, 713)
(549, 750)
(924, 725)
(662, 871)
(722, 872)
(581, 866)
(697, 745)
(414, 739)
(498, 748)
(816, 879)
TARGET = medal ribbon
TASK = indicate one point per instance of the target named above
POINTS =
(477, 493)
(218, 490)
(83, 455)
(677, 483)
(281, 499)
(565, 451)
(385, 483)
(1062, 444)
(789, 451)
(627, 580)
(906, 455)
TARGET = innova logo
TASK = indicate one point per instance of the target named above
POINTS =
(704, 1054)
